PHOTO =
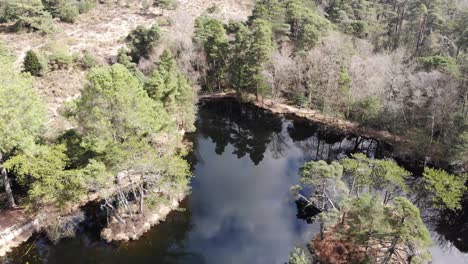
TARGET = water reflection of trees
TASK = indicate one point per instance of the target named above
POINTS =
(251, 131)
(278, 145)
(322, 143)
(306, 211)
(248, 129)
(451, 226)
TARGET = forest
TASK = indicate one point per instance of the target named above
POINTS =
(117, 128)
(125, 145)
(379, 63)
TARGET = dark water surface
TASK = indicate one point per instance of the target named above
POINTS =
(240, 209)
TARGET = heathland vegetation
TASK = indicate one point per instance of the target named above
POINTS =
(125, 143)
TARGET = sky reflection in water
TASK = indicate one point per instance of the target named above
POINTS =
(244, 213)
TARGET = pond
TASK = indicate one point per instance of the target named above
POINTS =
(240, 209)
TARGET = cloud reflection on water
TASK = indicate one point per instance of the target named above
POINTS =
(243, 213)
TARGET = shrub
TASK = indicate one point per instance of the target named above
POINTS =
(164, 21)
(43, 23)
(85, 6)
(298, 256)
(166, 4)
(89, 61)
(126, 60)
(28, 14)
(300, 100)
(360, 28)
(441, 63)
(60, 60)
(213, 9)
(366, 110)
(146, 4)
(68, 11)
(59, 56)
(142, 41)
(34, 63)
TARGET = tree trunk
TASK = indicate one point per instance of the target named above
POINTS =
(322, 230)
(391, 250)
(256, 92)
(352, 187)
(142, 199)
(420, 38)
(432, 131)
(6, 184)
(343, 217)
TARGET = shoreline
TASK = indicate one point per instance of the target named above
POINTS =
(134, 228)
(14, 235)
(310, 115)
(405, 149)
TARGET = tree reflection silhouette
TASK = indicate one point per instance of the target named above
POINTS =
(247, 128)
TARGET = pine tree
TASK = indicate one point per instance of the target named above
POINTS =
(259, 53)
(33, 64)
(368, 222)
(131, 132)
(445, 188)
(406, 227)
(239, 58)
(142, 41)
(273, 11)
(126, 60)
(22, 115)
(325, 179)
(365, 220)
(211, 35)
(461, 31)
(43, 172)
(298, 256)
(306, 25)
(114, 110)
(360, 170)
(379, 175)
(167, 85)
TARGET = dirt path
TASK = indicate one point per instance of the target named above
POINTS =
(9, 218)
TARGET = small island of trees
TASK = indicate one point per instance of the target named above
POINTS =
(366, 212)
